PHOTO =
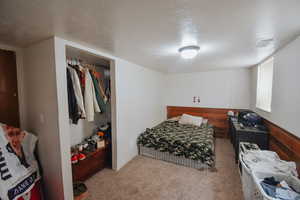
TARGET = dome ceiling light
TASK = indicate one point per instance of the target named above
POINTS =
(189, 52)
(264, 42)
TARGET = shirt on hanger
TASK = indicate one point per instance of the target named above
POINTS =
(91, 104)
(77, 91)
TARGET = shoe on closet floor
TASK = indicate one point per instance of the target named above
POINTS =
(81, 156)
(74, 159)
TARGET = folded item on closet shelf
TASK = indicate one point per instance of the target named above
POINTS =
(91, 104)
(77, 91)
(269, 161)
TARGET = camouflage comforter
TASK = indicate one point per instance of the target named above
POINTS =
(192, 142)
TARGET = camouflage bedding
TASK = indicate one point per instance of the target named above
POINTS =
(192, 142)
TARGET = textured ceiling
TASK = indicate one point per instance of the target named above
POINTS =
(149, 32)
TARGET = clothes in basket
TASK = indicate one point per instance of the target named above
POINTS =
(269, 161)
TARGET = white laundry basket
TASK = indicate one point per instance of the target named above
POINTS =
(248, 184)
(246, 177)
(259, 193)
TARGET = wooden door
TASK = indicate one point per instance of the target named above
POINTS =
(9, 104)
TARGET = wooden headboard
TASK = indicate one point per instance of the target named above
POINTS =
(215, 116)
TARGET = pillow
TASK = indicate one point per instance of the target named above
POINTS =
(174, 119)
(190, 119)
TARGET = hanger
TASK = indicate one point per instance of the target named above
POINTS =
(81, 64)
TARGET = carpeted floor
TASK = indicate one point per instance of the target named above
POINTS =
(146, 179)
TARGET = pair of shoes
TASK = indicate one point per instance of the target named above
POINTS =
(79, 188)
(76, 157)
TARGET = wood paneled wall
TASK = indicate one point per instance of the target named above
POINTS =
(284, 143)
(215, 116)
(281, 141)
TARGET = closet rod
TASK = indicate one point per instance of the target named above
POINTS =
(76, 61)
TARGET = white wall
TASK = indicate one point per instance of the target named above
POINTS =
(216, 89)
(42, 114)
(285, 108)
(138, 93)
(139, 105)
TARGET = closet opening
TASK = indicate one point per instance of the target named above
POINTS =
(91, 102)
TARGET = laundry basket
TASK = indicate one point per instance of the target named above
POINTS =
(247, 180)
(259, 193)
(245, 172)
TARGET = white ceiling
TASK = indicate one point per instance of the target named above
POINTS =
(149, 32)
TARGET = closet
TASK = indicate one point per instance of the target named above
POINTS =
(89, 101)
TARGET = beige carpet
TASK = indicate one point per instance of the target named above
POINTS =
(146, 179)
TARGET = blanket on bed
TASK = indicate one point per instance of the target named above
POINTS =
(192, 142)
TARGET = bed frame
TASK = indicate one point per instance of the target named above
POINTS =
(166, 156)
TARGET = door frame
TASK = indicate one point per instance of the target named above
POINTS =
(20, 81)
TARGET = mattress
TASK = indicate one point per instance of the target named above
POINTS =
(191, 143)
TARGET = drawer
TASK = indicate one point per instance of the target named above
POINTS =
(88, 167)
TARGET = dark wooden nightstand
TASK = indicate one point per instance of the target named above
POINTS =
(247, 134)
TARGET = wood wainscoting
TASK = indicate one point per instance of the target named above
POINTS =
(285, 144)
(216, 116)
(281, 141)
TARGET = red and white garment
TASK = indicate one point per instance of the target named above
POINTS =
(19, 181)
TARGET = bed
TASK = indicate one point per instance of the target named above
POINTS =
(183, 144)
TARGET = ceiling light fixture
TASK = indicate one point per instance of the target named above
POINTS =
(189, 52)
(264, 42)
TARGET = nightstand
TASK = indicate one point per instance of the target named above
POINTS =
(247, 134)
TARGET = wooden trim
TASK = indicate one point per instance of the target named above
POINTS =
(216, 116)
(284, 143)
(281, 141)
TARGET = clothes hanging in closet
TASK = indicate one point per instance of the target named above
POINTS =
(102, 90)
(98, 92)
(74, 113)
(107, 89)
(88, 94)
(77, 91)
(81, 75)
(91, 104)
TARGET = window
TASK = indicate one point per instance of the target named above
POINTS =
(264, 85)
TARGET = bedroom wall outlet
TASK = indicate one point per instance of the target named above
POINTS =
(42, 119)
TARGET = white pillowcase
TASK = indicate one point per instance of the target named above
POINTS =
(175, 119)
(205, 121)
(190, 119)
